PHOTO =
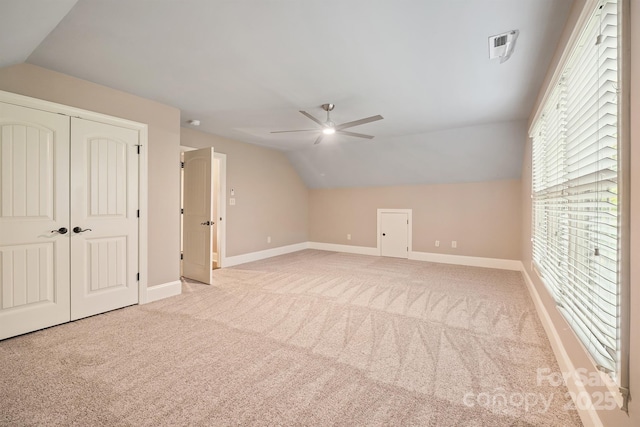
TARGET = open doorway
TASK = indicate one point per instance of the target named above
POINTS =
(217, 217)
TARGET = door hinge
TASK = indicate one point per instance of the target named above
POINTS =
(407, 248)
(182, 165)
(407, 222)
(181, 256)
(138, 147)
(138, 213)
(624, 391)
(138, 277)
(181, 210)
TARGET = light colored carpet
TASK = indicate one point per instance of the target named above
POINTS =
(310, 338)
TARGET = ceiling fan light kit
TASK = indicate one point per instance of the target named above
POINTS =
(328, 127)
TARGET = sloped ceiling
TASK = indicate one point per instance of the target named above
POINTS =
(245, 68)
(25, 23)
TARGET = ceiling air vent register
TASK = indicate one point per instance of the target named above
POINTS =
(501, 45)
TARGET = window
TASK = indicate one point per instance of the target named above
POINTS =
(576, 215)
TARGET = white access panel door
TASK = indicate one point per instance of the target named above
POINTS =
(34, 205)
(104, 217)
(394, 232)
(198, 216)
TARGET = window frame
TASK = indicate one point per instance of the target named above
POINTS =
(621, 388)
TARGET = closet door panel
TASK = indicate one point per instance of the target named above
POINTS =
(104, 191)
(34, 205)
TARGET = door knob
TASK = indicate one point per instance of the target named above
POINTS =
(80, 230)
(60, 230)
(207, 223)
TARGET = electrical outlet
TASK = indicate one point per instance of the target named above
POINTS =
(268, 239)
(437, 243)
(454, 244)
(348, 236)
(232, 202)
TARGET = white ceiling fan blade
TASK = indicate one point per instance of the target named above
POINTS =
(299, 130)
(359, 135)
(359, 122)
(312, 118)
(319, 139)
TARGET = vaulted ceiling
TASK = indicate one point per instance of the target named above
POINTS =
(245, 68)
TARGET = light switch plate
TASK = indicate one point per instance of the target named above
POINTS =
(232, 202)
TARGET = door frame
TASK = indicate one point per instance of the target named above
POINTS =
(143, 182)
(409, 213)
(221, 205)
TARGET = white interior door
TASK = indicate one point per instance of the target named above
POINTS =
(34, 220)
(104, 217)
(198, 219)
(394, 237)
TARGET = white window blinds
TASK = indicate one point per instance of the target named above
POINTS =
(576, 237)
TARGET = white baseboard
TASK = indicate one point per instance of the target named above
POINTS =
(165, 290)
(333, 247)
(502, 264)
(267, 253)
(589, 416)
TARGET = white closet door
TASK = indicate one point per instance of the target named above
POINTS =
(104, 193)
(34, 205)
(198, 216)
(395, 237)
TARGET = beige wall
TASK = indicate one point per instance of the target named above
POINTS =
(575, 351)
(164, 142)
(484, 218)
(271, 199)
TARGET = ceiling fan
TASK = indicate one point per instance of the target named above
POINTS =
(329, 127)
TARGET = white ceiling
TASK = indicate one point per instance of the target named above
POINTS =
(245, 67)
